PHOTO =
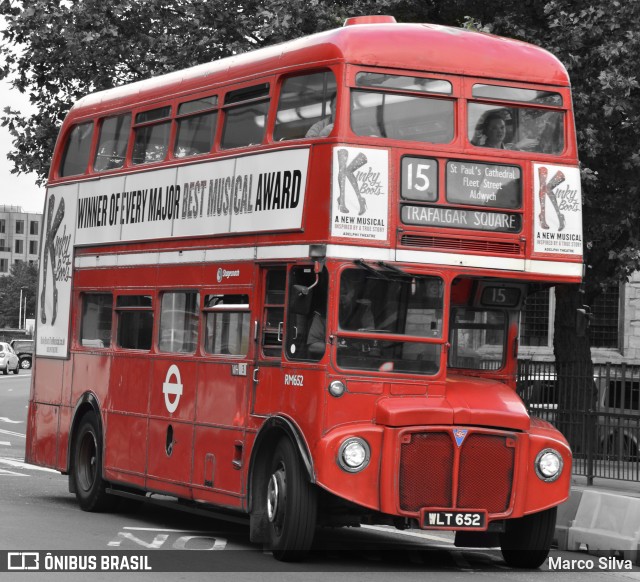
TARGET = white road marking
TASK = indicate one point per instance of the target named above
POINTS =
(165, 530)
(5, 443)
(5, 419)
(160, 539)
(11, 433)
(22, 465)
(416, 534)
(13, 473)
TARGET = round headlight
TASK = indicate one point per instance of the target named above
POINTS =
(354, 454)
(548, 465)
(336, 388)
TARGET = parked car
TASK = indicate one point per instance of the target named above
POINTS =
(8, 359)
(24, 350)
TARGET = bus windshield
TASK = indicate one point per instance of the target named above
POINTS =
(394, 304)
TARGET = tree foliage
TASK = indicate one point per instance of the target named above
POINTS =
(22, 276)
(56, 51)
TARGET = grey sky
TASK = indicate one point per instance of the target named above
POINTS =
(16, 190)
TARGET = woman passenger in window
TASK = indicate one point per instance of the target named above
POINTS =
(494, 129)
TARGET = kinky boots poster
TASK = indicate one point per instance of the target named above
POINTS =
(360, 193)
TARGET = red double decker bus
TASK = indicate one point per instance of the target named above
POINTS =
(287, 284)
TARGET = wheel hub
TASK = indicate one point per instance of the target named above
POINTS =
(275, 495)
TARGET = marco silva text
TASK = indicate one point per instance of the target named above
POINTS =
(608, 564)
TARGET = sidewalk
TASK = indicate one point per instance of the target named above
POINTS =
(603, 518)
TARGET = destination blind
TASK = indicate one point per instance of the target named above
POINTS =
(461, 218)
(490, 185)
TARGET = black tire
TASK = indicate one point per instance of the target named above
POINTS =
(17, 370)
(527, 540)
(291, 505)
(87, 467)
(25, 363)
(6, 370)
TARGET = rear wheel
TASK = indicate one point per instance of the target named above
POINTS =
(17, 369)
(87, 467)
(527, 540)
(291, 505)
(25, 363)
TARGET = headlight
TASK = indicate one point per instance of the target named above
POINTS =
(548, 465)
(354, 454)
(336, 388)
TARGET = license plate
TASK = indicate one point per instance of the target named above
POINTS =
(454, 519)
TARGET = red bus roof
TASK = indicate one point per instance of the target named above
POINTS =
(419, 47)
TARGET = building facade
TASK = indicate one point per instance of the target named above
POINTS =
(19, 237)
(614, 328)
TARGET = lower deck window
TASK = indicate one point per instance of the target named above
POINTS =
(95, 329)
(135, 322)
(227, 323)
(179, 322)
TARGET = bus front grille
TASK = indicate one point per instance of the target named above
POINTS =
(484, 463)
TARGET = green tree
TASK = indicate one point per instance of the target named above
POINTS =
(55, 51)
(22, 277)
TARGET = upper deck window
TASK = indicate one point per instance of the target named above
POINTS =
(112, 144)
(405, 117)
(517, 94)
(196, 127)
(152, 135)
(76, 153)
(245, 124)
(403, 83)
(516, 128)
(306, 106)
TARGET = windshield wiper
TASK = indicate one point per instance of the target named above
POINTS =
(394, 269)
(370, 269)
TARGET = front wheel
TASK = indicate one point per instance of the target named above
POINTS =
(527, 540)
(87, 467)
(291, 505)
(25, 363)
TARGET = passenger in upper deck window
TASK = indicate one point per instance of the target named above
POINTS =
(324, 127)
(494, 129)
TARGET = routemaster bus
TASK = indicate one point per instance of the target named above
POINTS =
(287, 285)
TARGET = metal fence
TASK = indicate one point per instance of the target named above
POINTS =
(596, 408)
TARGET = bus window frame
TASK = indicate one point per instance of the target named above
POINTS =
(78, 299)
(157, 332)
(456, 96)
(337, 71)
(468, 98)
(57, 163)
(155, 314)
(135, 126)
(224, 108)
(177, 117)
(442, 341)
(94, 150)
(204, 310)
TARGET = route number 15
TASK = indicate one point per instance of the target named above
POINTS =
(419, 179)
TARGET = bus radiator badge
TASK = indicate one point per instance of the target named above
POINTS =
(459, 434)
